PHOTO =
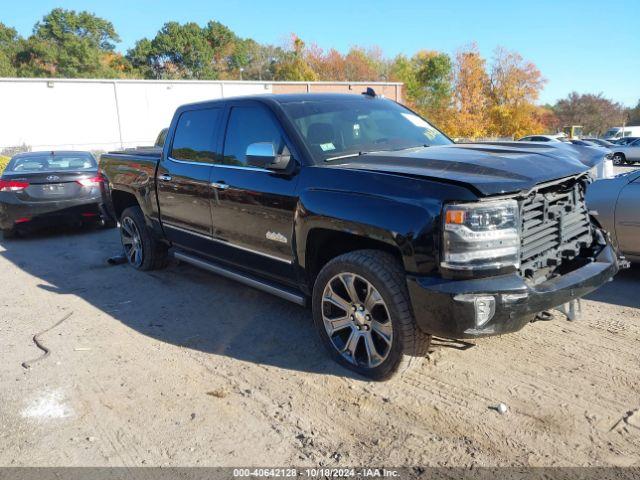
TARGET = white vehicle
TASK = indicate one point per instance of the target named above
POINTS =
(629, 153)
(616, 133)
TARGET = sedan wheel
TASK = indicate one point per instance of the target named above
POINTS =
(357, 320)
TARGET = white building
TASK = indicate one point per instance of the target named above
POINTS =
(57, 114)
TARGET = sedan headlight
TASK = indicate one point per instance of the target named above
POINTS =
(481, 236)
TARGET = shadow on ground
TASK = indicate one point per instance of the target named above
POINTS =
(180, 305)
(624, 290)
(184, 306)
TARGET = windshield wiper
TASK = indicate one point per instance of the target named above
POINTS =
(358, 154)
(348, 155)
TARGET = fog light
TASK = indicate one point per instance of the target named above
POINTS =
(484, 306)
(485, 309)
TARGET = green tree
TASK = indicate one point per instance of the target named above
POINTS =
(428, 83)
(193, 52)
(66, 43)
(141, 59)
(222, 41)
(9, 45)
(182, 51)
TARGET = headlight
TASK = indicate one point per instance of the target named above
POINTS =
(481, 236)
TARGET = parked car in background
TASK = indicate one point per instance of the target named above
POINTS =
(597, 158)
(39, 188)
(629, 153)
(541, 138)
(360, 208)
(617, 133)
(600, 141)
(625, 140)
(615, 203)
(584, 143)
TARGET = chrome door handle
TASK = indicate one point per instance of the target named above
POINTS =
(220, 186)
(165, 178)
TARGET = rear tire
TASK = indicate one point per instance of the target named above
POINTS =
(141, 247)
(375, 333)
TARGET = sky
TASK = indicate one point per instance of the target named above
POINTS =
(588, 46)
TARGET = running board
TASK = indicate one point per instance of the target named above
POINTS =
(248, 280)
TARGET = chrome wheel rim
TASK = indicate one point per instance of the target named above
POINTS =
(131, 241)
(357, 320)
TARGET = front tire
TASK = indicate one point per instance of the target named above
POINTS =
(619, 159)
(142, 249)
(362, 312)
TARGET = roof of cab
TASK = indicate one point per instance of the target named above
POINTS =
(290, 98)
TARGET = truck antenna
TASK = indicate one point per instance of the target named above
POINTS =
(370, 92)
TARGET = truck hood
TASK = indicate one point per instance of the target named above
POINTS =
(488, 168)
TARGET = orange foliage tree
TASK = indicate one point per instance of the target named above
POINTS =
(515, 85)
(470, 102)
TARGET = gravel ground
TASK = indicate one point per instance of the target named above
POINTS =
(179, 367)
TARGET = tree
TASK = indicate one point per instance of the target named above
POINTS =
(66, 43)
(633, 115)
(428, 83)
(361, 65)
(182, 51)
(514, 86)
(293, 65)
(327, 66)
(594, 112)
(68, 26)
(194, 52)
(142, 59)
(9, 45)
(470, 100)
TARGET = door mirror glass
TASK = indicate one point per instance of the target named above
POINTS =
(263, 155)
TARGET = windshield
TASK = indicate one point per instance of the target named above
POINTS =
(334, 129)
(612, 132)
(52, 163)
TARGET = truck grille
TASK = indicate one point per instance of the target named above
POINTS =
(555, 226)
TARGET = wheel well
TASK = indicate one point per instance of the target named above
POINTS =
(324, 245)
(122, 200)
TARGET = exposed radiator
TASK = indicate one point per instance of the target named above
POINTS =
(555, 227)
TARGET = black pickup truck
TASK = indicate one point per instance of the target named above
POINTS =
(359, 207)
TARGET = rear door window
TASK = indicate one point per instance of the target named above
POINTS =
(195, 137)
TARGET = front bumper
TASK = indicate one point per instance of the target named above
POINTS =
(12, 209)
(446, 308)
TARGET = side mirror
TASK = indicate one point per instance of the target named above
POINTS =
(263, 155)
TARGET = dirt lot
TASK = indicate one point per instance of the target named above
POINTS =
(180, 367)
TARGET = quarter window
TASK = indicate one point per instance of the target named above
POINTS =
(249, 125)
(195, 136)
